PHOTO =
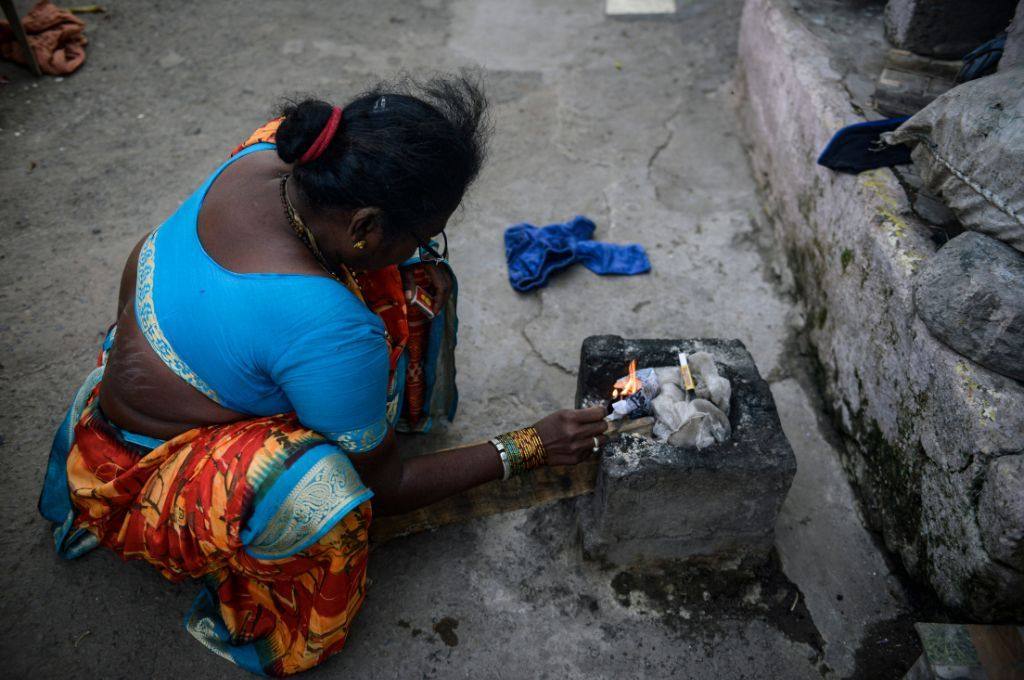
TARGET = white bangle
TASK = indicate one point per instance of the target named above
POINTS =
(505, 464)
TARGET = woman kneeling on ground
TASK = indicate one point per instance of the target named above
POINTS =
(271, 335)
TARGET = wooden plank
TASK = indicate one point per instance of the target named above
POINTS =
(915, 63)
(542, 485)
(1000, 649)
(910, 82)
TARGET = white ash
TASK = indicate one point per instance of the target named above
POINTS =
(632, 447)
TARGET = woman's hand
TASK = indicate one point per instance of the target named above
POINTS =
(440, 280)
(569, 436)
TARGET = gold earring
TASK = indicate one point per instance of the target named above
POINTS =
(359, 245)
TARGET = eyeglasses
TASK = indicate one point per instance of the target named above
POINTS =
(429, 254)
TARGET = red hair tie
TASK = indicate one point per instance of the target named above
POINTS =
(323, 140)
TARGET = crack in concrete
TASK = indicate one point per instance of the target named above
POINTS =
(538, 302)
(607, 208)
(545, 361)
(671, 133)
(677, 109)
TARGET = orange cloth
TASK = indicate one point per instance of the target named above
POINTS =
(56, 37)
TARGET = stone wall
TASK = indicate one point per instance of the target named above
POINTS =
(929, 433)
(947, 29)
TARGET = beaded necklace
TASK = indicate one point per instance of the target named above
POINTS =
(304, 234)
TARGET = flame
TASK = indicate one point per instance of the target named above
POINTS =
(628, 385)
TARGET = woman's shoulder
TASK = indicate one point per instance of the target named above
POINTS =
(317, 327)
(306, 301)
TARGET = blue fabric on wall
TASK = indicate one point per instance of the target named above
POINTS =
(859, 147)
(535, 253)
(982, 60)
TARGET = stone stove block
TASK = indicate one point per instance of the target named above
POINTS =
(654, 502)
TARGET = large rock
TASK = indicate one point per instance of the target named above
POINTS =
(1001, 508)
(922, 424)
(970, 294)
(945, 28)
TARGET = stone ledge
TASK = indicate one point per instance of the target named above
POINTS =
(923, 424)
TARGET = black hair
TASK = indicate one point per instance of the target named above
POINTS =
(411, 149)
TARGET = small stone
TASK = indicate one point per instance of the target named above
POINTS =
(934, 211)
(171, 59)
(970, 295)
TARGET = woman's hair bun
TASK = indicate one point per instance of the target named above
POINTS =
(410, 149)
(302, 124)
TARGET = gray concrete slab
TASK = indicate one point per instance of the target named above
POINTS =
(822, 541)
(628, 122)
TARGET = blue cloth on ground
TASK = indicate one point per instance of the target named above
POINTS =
(535, 253)
(859, 147)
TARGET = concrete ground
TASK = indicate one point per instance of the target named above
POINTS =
(627, 121)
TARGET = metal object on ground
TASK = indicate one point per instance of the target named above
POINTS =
(19, 32)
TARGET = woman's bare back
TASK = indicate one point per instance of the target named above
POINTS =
(139, 392)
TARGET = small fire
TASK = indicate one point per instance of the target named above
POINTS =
(626, 386)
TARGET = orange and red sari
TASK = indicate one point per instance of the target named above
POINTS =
(270, 515)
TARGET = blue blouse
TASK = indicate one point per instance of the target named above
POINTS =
(263, 343)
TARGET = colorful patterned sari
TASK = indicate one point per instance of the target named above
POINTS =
(271, 516)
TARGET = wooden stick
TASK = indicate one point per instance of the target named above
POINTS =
(543, 485)
(628, 425)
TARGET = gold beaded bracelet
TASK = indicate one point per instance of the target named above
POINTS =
(520, 450)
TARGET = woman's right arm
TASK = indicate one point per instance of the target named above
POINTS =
(405, 484)
(335, 375)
